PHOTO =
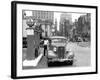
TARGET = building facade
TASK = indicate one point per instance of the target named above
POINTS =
(65, 24)
(45, 18)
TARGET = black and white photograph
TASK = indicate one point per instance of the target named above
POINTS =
(53, 40)
(56, 39)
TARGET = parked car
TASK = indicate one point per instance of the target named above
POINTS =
(58, 53)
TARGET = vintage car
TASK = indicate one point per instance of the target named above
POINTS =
(58, 52)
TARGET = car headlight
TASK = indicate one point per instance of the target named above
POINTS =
(54, 49)
(71, 55)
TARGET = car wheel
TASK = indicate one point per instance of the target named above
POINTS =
(70, 62)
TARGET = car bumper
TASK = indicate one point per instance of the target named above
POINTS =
(59, 60)
(59, 64)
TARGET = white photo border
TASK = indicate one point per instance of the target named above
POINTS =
(53, 71)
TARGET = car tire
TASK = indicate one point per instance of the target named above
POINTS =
(70, 62)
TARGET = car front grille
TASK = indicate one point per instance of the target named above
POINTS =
(60, 52)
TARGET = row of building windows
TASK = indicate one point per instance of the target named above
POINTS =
(43, 15)
(46, 15)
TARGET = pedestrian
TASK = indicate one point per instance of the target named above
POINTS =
(47, 42)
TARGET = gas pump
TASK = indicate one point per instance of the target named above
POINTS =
(33, 39)
(30, 40)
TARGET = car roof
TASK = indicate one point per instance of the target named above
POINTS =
(61, 37)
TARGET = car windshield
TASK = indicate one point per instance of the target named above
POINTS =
(57, 40)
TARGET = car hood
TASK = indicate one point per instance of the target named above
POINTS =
(59, 44)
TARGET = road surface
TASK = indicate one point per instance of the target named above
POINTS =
(82, 54)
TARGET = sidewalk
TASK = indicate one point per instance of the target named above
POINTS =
(34, 62)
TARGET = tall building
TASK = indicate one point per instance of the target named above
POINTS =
(39, 15)
(84, 26)
(66, 16)
(84, 23)
(65, 24)
(43, 15)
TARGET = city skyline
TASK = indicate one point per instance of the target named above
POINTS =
(57, 14)
(55, 17)
(73, 16)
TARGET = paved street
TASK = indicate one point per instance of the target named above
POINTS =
(82, 56)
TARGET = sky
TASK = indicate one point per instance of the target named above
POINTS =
(57, 16)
